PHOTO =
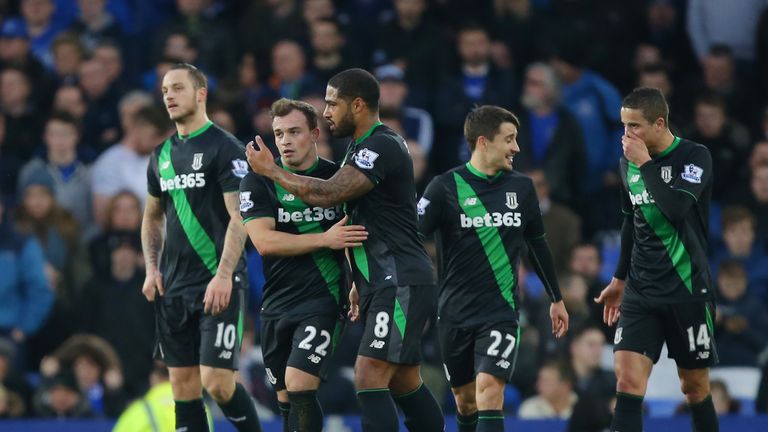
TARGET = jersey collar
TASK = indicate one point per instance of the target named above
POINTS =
(670, 149)
(368, 133)
(481, 174)
(197, 132)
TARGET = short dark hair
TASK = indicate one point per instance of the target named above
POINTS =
(198, 77)
(562, 367)
(472, 26)
(282, 107)
(720, 50)
(736, 214)
(485, 121)
(650, 101)
(583, 329)
(732, 268)
(710, 99)
(654, 68)
(357, 83)
(64, 117)
(153, 116)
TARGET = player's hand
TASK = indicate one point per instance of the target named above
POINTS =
(259, 157)
(354, 304)
(610, 298)
(153, 284)
(217, 295)
(341, 235)
(634, 149)
(559, 317)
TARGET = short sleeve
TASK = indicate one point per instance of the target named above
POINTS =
(153, 177)
(696, 172)
(378, 157)
(430, 206)
(534, 226)
(231, 165)
(255, 198)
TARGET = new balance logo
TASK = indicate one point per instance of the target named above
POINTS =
(238, 419)
(314, 358)
(470, 201)
(634, 178)
(288, 197)
(377, 344)
(226, 355)
(503, 364)
(702, 355)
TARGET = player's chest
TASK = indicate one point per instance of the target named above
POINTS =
(190, 168)
(293, 215)
(498, 207)
(668, 170)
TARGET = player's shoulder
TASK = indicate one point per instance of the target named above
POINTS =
(518, 178)
(222, 137)
(385, 135)
(689, 146)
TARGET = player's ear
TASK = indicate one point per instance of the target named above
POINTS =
(315, 134)
(202, 94)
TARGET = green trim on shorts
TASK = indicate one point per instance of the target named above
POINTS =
(373, 390)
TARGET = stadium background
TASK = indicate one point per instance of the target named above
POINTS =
(80, 111)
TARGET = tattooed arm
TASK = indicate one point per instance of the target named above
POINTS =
(234, 240)
(348, 183)
(152, 239)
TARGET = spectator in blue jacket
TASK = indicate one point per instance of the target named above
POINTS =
(25, 298)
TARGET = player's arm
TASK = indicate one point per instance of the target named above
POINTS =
(348, 183)
(152, 240)
(271, 242)
(627, 237)
(430, 207)
(675, 199)
(234, 239)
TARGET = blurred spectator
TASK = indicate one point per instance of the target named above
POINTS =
(114, 308)
(596, 104)
(759, 202)
(410, 40)
(222, 118)
(96, 370)
(741, 320)
(37, 17)
(394, 95)
(711, 22)
(517, 29)
(291, 79)
(60, 397)
(101, 127)
(666, 30)
(419, 158)
(657, 76)
(217, 47)
(562, 225)
(124, 165)
(574, 290)
(759, 155)
(330, 49)
(15, 391)
(586, 261)
(550, 138)
(721, 398)
(739, 225)
(555, 397)
(25, 296)
(67, 57)
(720, 78)
(728, 141)
(155, 411)
(16, 51)
(95, 24)
(71, 178)
(263, 24)
(314, 11)
(108, 53)
(70, 98)
(475, 82)
(586, 351)
(122, 214)
(22, 131)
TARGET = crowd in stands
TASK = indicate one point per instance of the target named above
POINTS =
(81, 111)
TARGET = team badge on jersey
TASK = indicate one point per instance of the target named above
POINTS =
(245, 201)
(197, 161)
(666, 174)
(421, 206)
(365, 158)
(692, 173)
(512, 200)
(239, 168)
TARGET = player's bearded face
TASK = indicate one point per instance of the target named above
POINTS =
(338, 113)
(345, 126)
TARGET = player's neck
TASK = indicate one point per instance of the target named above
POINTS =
(666, 141)
(192, 124)
(480, 165)
(309, 162)
(365, 126)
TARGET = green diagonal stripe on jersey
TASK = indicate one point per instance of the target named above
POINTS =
(199, 239)
(324, 259)
(400, 321)
(489, 238)
(664, 230)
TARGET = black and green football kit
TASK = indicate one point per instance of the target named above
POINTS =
(669, 295)
(304, 295)
(190, 174)
(392, 271)
(483, 224)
